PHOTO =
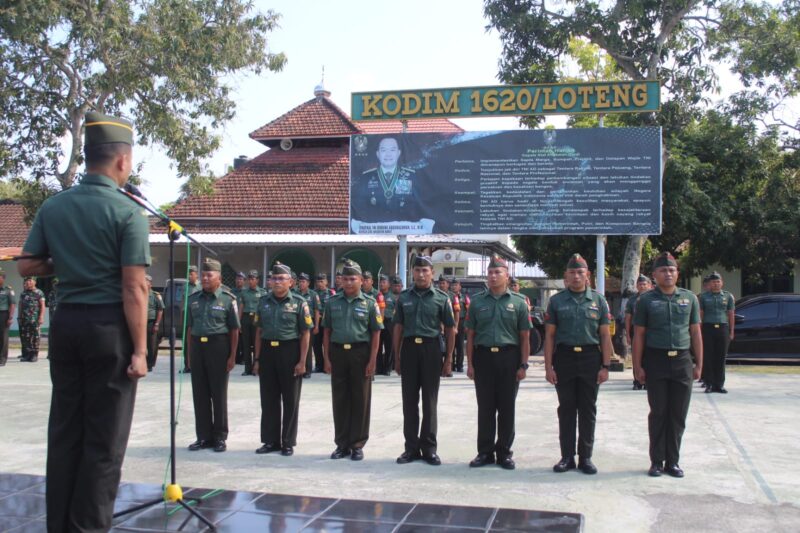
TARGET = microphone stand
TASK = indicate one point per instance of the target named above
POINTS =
(173, 493)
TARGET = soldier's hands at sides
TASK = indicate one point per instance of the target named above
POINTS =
(602, 376)
(256, 368)
(231, 363)
(448, 364)
(698, 371)
(642, 378)
(551, 376)
(138, 367)
(299, 369)
(397, 366)
(370, 371)
(521, 374)
(470, 372)
(327, 366)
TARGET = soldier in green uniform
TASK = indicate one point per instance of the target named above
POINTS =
(717, 315)
(324, 293)
(30, 317)
(155, 311)
(337, 282)
(498, 345)
(352, 336)
(303, 282)
(667, 322)
(283, 324)
(444, 286)
(192, 286)
(8, 302)
(97, 241)
(420, 315)
(458, 352)
(643, 284)
(369, 285)
(577, 355)
(237, 291)
(212, 327)
(385, 355)
(250, 296)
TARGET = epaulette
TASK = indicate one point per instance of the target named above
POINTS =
(519, 295)
(440, 291)
(226, 290)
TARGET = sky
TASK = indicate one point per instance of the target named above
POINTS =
(363, 46)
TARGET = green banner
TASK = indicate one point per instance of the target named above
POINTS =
(508, 100)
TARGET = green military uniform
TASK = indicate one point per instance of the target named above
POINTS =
(323, 295)
(497, 321)
(311, 297)
(91, 232)
(716, 334)
(421, 313)
(236, 291)
(211, 319)
(458, 356)
(31, 303)
(283, 322)
(349, 323)
(667, 363)
(576, 361)
(154, 304)
(250, 298)
(8, 301)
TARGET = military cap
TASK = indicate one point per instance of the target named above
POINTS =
(148, 277)
(663, 260)
(454, 280)
(252, 274)
(577, 261)
(706, 278)
(240, 275)
(642, 278)
(351, 268)
(367, 274)
(26, 278)
(383, 277)
(714, 276)
(322, 276)
(442, 278)
(303, 276)
(338, 272)
(212, 265)
(192, 268)
(513, 281)
(280, 268)
(105, 129)
(422, 261)
(395, 280)
(498, 262)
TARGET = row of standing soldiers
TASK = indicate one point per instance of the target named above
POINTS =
(30, 317)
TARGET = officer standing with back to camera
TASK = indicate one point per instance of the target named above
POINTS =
(212, 327)
(422, 311)
(324, 293)
(97, 240)
(283, 323)
(498, 345)
(8, 301)
(577, 356)
(353, 325)
(251, 294)
(667, 321)
(717, 314)
(30, 317)
(643, 284)
(155, 312)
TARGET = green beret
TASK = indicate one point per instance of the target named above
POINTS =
(714, 276)
(212, 265)
(252, 274)
(422, 261)
(663, 260)
(367, 274)
(322, 276)
(498, 262)
(105, 129)
(395, 280)
(577, 261)
(383, 277)
(280, 268)
(240, 275)
(351, 268)
(302, 276)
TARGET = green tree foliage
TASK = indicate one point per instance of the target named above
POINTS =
(160, 62)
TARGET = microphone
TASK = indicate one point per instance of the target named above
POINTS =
(133, 189)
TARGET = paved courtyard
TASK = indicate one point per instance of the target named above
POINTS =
(740, 450)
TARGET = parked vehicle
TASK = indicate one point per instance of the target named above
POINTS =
(767, 327)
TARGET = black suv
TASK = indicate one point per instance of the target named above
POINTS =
(767, 327)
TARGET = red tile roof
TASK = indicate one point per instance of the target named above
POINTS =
(13, 229)
(260, 227)
(302, 183)
(432, 125)
(318, 117)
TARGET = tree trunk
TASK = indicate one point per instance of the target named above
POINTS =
(631, 263)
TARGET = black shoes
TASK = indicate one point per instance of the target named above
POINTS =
(185, 371)
(708, 389)
(432, 459)
(246, 373)
(340, 453)
(587, 466)
(408, 457)
(200, 445)
(357, 454)
(566, 463)
(220, 446)
(307, 375)
(268, 448)
(482, 459)
(287, 451)
(507, 463)
(721, 390)
(656, 469)
(674, 470)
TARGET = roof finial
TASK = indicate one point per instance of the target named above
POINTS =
(319, 90)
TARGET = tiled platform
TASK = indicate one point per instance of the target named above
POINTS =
(22, 510)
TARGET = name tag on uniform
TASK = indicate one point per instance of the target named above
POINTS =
(274, 343)
(347, 346)
(672, 353)
(418, 340)
(203, 339)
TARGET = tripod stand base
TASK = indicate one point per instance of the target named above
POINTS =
(173, 493)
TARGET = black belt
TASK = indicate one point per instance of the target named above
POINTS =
(349, 345)
(277, 342)
(579, 348)
(667, 353)
(421, 340)
(90, 307)
(499, 349)
(208, 338)
(715, 326)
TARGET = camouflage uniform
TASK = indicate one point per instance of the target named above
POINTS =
(29, 306)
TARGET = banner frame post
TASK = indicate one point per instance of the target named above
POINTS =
(601, 242)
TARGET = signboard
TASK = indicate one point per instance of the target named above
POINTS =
(598, 181)
(508, 100)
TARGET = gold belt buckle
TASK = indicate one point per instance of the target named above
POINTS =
(203, 339)
(347, 346)
(418, 340)
(716, 326)
(672, 353)
(577, 349)
(494, 349)
(274, 343)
